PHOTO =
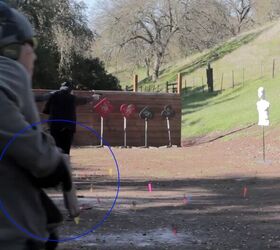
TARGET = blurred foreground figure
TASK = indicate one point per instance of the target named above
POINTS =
(31, 161)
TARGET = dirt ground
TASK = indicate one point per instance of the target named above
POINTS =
(216, 195)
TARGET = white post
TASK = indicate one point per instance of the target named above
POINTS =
(169, 132)
(124, 129)
(102, 130)
(146, 132)
(263, 145)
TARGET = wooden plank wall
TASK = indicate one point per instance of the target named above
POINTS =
(113, 124)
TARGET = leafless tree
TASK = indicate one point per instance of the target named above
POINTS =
(150, 32)
(265, 11)
(240, 9)
(150, 22)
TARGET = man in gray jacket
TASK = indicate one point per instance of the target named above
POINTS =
(30, 161)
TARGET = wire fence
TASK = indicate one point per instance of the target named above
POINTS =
(236, 76)
(223, 78)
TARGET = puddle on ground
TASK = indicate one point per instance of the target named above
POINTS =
(162, 236)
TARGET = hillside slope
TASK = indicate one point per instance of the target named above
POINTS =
(252, 65)
(240, 65)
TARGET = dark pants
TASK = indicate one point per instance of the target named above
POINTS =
(54, 219)
(63, 139)
(35, 245)
(52, 245)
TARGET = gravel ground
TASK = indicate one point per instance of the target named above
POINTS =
(217, 195)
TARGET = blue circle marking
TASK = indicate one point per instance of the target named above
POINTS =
(5, 212)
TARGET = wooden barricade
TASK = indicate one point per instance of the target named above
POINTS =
(113, 124)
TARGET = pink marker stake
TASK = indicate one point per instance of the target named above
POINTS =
(245, 190)
(185, 200)
(174, 230)
(150, 187)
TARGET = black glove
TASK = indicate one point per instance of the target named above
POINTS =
(60, 175)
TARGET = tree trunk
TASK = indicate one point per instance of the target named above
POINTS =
(148, 71)
(147, 63)
(157, 65)
(238, 28)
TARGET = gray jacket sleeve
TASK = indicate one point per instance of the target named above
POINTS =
(29, 148)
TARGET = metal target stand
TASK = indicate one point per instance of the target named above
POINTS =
(127, 111)
(168, 113)
(103, 108)
(146, 114)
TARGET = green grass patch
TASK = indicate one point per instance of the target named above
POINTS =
(203, 113)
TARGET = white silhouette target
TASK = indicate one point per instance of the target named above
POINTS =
(263, 108)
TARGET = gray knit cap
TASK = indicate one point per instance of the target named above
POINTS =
(14, 26)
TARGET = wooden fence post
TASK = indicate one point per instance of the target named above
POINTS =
(135, 83)
(179, 83)
(222, 82)
(166, 87)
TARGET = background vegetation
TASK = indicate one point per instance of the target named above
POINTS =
(65, 42)
(157, 39)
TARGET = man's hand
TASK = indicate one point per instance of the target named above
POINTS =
(96, 97)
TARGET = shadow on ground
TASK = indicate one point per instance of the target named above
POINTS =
(231, 213)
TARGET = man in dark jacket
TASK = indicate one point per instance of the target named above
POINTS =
(31, 161)
(61, 105)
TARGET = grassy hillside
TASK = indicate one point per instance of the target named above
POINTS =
(190, 67)
(245, 61)
(204, 113)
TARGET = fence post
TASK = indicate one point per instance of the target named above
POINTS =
(135, 83)
(273, 70)
(222, 82)
(179, 83)
(141, 88)
(166, 87)
(233, 79)
(193, 82)
(243, 76)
